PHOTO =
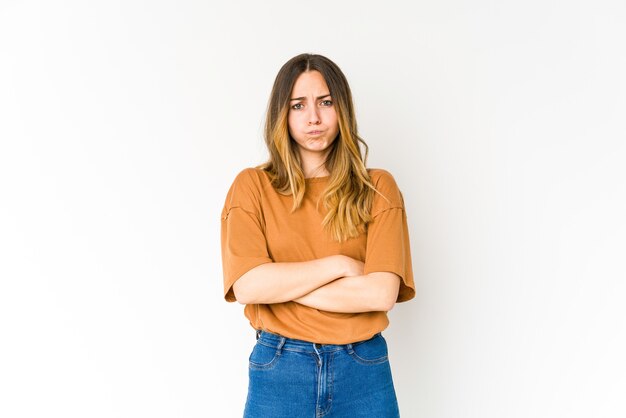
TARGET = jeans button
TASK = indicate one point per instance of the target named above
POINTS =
(318, 345)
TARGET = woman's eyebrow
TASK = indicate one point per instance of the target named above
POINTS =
(304, 98)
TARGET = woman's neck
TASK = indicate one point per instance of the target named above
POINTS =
(314, 165)
(316, 172)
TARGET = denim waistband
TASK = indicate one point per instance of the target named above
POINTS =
(291, 344)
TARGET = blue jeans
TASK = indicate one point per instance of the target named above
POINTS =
(299, 379)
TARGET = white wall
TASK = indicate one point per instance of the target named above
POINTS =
(122, 124)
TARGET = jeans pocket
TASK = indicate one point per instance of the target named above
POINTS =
(263, 357)
(370, 352)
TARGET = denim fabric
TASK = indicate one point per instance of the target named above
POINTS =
(291, 378)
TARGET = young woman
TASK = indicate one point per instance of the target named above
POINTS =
(317, 248)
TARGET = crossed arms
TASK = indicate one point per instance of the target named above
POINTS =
(335, 283)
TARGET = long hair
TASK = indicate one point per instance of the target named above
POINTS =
(349, 194)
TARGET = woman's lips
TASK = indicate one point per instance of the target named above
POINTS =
(314, 132)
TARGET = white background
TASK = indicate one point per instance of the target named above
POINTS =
(123, 123)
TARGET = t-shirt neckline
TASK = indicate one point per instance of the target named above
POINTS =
(316, 179)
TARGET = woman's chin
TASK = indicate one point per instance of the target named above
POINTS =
(315, 146)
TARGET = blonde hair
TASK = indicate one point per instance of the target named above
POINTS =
(349, 194)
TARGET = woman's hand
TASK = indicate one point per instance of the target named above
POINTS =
(352, 266)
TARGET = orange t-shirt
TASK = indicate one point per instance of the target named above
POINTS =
(257, 228)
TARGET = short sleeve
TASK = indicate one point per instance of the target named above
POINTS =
(242, 231)
(388, 244)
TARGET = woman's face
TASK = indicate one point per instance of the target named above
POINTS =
(312, 117)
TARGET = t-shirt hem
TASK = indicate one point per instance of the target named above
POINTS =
(405, 294)
(229, 295)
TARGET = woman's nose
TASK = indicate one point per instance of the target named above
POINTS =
(314, 117)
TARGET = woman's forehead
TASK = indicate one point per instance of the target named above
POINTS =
(309, 84)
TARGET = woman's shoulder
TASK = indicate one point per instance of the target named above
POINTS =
(251, 176)
(383, 179)
(385, 183)
(380, 175)
(247, 187)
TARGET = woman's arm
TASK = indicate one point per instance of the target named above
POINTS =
(282, 282)
(376, 291)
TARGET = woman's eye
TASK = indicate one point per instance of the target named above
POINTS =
(296, 108)
(330, 102)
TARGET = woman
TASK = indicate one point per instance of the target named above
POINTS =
(316, 246)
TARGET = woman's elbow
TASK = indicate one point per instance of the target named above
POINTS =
(387, 303)
(239, 290)
(389, 296)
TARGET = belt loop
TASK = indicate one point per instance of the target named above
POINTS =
(280, 345)
(349, 348)
(258, 333)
